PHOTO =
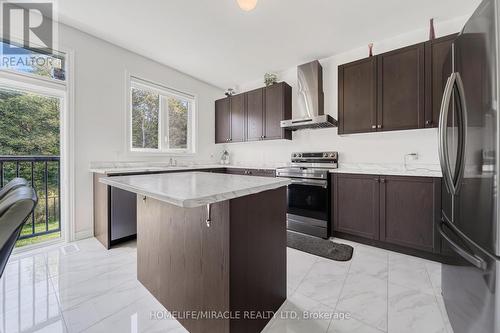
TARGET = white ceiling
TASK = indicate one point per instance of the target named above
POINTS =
(215, 41)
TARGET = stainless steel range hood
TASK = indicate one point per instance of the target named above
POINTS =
(310, 102)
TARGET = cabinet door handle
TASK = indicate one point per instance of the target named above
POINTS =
(428, 122)
(374, 126)
(208, 220)
(382, 180)
(379, 126)
(376, 179)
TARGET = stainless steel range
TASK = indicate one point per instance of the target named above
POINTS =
(309, 195)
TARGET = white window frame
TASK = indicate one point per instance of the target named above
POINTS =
(64, 90)
(164, 93)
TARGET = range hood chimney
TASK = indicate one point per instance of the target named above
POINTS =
(310, 102)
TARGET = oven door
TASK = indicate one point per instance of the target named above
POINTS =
(308, 203)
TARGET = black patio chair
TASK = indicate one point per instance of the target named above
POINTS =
(15, 208)
(12, 185)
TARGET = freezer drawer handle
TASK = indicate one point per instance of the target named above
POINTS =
(471, 258)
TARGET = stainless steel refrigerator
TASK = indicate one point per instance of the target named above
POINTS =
(468, 150)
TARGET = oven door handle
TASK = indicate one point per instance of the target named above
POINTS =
(310, 182)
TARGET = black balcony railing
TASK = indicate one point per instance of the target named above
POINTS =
(44, 173)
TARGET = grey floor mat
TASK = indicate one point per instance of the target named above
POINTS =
(319, 247)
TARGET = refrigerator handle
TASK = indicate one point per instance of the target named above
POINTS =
(442, 134)
(471, 258)
(462, 133)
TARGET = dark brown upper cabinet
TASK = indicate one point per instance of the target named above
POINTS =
(230, 119)
(438, 63)
(222, 120)
(238, 118)
(401, 83)
(358, 96)
(254, 115)
(278, 107)
(396, 90)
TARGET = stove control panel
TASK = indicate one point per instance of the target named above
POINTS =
(317, 157)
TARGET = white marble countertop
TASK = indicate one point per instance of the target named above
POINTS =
(389, 170)
(133, 169)
(194, 189)
(361, 168)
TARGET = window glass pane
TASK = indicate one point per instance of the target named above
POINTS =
(145, 111)
(178, 114)
(29, 148)
(28, 61)
(29, 123)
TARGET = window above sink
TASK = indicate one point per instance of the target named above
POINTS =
(161, 120)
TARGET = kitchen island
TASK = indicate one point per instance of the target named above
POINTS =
(211, 247)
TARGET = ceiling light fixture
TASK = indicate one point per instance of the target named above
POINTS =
(247, 5)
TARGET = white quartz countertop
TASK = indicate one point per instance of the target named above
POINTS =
(134, 169)
(194, 189)
(361, 168)
(388, 171)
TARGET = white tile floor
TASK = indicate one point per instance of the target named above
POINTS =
(84, 288)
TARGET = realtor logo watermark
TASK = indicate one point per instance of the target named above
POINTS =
(30, 22)
(29, 37)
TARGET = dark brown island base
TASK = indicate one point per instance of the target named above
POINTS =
(210, 249)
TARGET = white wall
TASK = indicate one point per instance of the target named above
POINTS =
(100, 110)
(384, 147)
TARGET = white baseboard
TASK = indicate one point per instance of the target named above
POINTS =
(84, 234)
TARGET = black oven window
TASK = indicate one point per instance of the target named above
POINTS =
(309, 201)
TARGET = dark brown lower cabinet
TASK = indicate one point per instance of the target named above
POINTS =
(408, 210)
(237, 266)
(393, 210)
(356, 205)
(105, 225)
